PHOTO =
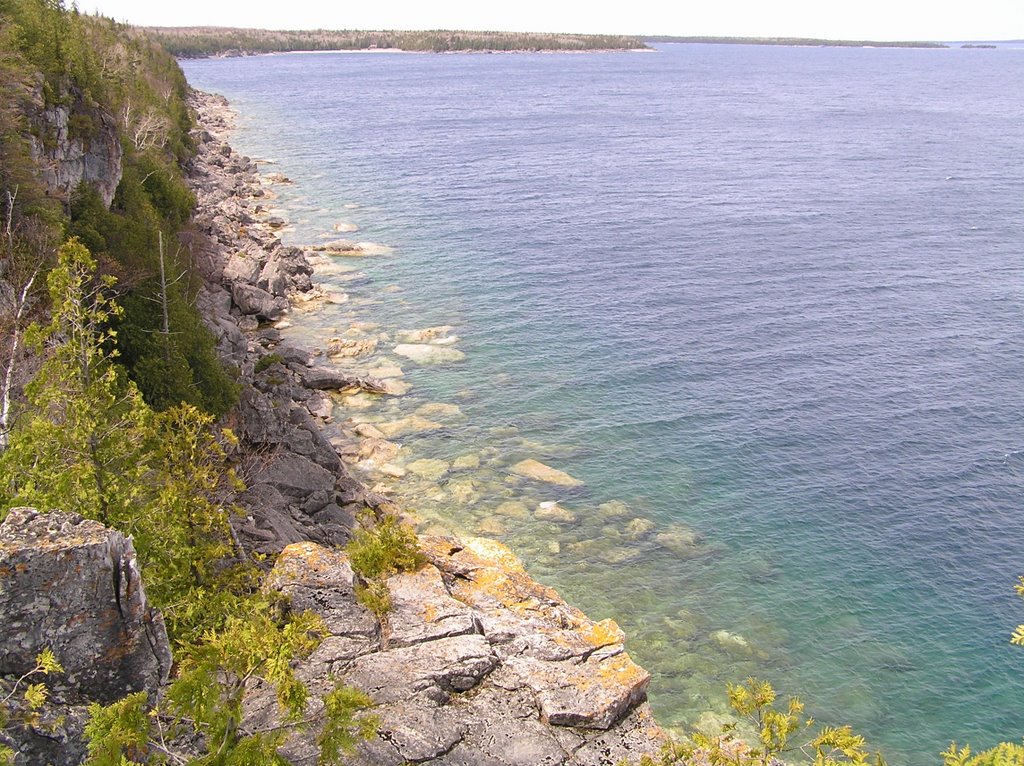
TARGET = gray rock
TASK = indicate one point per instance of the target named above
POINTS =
(294, 475)
(436, 670)
(242, 266)
(423, 610)
(446, 692)
(252, 300)
(294, 357)
(72, 586)
(266, 422)
(321, 579)
(65, 161)
(273, 279)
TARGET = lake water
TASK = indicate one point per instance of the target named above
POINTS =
(767, 298)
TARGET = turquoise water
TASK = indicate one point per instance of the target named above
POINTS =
(769, 298)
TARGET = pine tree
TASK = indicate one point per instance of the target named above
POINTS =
(80, 444)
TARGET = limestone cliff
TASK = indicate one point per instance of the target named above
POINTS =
(74, 142)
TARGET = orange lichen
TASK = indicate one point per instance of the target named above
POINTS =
(304, 561)
(603, 633)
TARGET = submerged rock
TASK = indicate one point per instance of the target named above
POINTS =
(346, 248)
(613, 509)
(428, 468)
(639, 528)
(552, 511)
(513, 509)
(369, 431)
(464, 491)
(410, 425)
(681, 540)
(426, 335)
(491, 526)
(439, 410)
(534, 469)
(466, 462)
(426, 353)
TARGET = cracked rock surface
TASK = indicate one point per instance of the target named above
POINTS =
(476, 664)
(72, 586)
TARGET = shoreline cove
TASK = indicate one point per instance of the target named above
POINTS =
(476, 659)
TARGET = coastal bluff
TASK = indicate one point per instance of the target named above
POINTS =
(476, 663)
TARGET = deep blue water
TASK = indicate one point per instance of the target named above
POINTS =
(772, 294)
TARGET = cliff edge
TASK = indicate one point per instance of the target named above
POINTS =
(476, 664)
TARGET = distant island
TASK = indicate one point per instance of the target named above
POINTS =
(205, 42)
(805, 41)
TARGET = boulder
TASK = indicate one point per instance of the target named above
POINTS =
(326, 379)
(252, 300)
(342, 348)
(552, 511)
(72, 586)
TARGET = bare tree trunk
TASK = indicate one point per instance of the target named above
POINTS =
(163, 300)
(21, 301)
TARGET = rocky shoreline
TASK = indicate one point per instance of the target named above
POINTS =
(476, 663)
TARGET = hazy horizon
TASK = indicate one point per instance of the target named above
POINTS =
(909, 20)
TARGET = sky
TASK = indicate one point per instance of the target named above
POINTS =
(832, 19)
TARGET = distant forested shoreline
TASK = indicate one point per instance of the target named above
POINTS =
(204, 42)
(805, 41)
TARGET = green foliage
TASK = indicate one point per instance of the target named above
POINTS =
(267, 361)
(255, 647)
(1017, 638)
(1004, 754)
(377, 550)
(375, 596)
(178, 367)
(344, 725)
(22, 711)
(89, 443)
(71, 449)
(93, 66)
(383, 548)
(118, 733)
(183, 532)
(783, 735)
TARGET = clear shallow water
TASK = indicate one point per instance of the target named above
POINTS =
(770, 295)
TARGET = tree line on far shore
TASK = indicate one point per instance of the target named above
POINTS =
(203, 42)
